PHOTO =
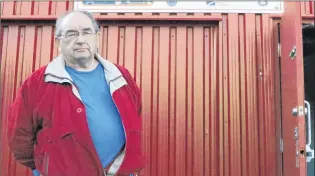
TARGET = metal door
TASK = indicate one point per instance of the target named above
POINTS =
(309, 87)
(292, 91)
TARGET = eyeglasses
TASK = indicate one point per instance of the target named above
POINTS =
(75, 34)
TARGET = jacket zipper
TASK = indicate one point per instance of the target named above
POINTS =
(119, 115)
(121, 121)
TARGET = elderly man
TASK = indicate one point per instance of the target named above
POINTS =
(80, 114)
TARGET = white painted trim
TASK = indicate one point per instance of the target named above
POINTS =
(187, 6)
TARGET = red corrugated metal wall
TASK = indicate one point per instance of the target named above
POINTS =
(209, 90)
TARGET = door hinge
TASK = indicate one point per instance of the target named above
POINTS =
(279, 49)
(281, 145)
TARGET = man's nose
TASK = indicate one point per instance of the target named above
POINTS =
(80, 39)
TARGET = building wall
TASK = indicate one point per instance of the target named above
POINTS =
(210, 89)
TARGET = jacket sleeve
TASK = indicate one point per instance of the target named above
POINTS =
(21, 135)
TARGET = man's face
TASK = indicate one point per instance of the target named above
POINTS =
(76, 47)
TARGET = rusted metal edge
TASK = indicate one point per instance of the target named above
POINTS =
(116, 18)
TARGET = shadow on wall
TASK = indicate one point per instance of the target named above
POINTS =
(309, 61)
(309, 83)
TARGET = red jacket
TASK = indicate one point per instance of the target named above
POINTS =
(48, 128)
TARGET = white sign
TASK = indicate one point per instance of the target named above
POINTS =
(221, 6)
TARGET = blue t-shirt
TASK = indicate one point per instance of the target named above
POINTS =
(103, 118)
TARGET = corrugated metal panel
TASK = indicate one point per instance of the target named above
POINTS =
(307, 8)
(24, 49)
(208, 90)
(35, 7)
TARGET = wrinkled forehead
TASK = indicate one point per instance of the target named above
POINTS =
(76, 22)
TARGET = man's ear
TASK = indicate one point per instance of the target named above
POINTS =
(98, 41)
(98, 36)
(57, 42)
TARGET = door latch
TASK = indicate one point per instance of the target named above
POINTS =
(298, 111)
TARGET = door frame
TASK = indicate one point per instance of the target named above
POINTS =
(292, 91)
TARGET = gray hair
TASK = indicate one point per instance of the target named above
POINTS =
(88, 14)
